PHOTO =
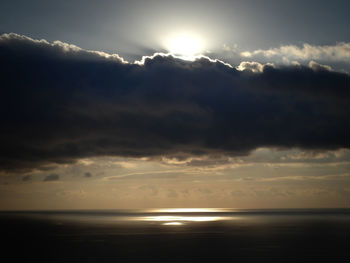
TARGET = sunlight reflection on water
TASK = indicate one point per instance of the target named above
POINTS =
(190, 210)
(173, 224)
(164, 216)
(180, 219)
(186, 217)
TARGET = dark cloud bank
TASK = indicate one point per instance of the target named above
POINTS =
(59, 103)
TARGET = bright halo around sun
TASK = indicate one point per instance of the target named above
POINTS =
(186, 46)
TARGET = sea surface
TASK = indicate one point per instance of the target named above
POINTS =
(176, 235)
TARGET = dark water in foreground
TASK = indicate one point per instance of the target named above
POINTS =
(177, 236)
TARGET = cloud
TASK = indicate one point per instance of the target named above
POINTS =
(51, 177)
(150, 189)
(172, 193)
(87, 174)
(303, 178)
(339, 52)
(316, 66)
(26, 178)
(253, 66)
(60, 103)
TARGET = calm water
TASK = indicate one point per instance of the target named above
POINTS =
(177, 235)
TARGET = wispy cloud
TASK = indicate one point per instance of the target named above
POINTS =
(337, 52)
(307, 177)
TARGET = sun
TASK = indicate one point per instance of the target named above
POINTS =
(185, 45)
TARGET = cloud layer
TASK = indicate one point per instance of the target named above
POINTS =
(59, 103)
(339, 52)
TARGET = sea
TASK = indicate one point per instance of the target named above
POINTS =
(176, 235)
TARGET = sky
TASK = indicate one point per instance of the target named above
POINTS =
(154, 104)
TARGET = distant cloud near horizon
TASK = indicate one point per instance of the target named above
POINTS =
(87, 174)
(26, 178)
(51, 177)
(60, 103)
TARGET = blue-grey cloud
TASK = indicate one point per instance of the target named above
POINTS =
(59, 103)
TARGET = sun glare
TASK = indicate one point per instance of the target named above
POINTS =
(185, 45)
